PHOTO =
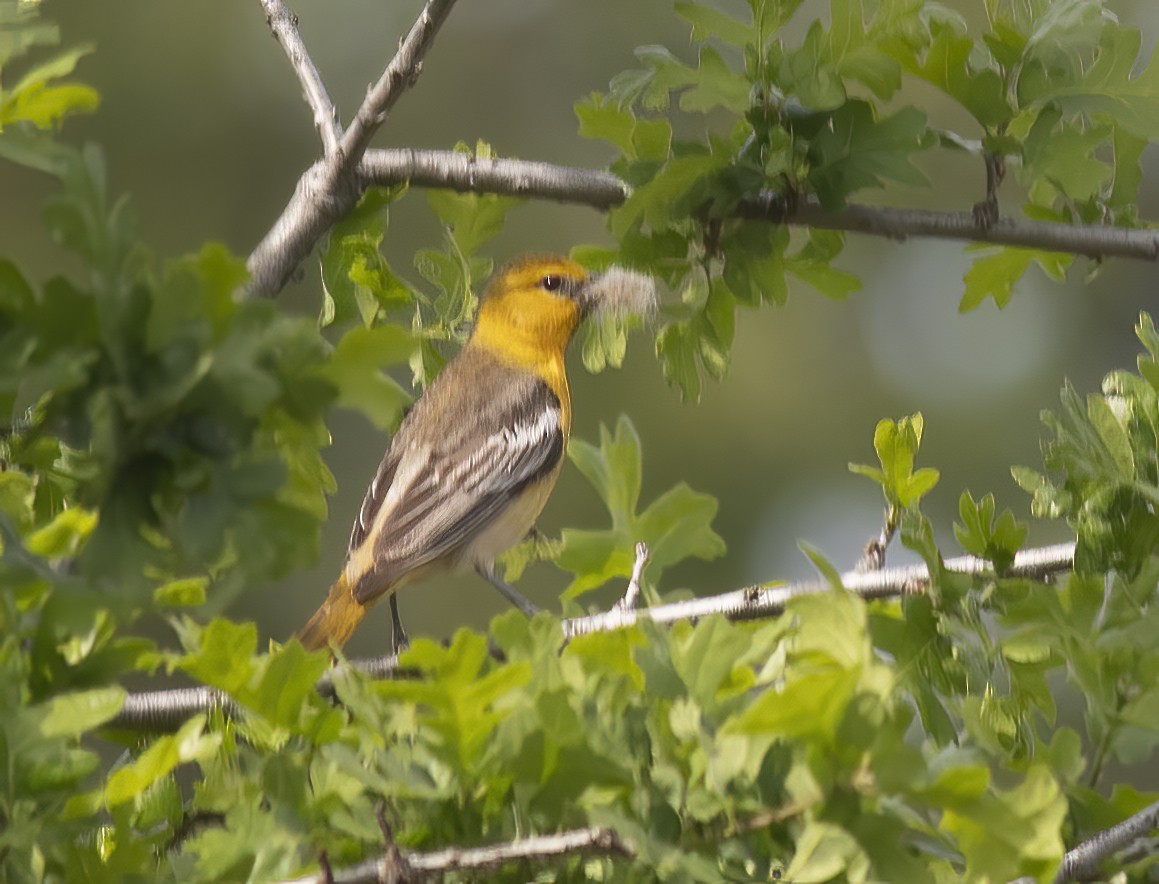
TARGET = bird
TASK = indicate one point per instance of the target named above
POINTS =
(474, 460)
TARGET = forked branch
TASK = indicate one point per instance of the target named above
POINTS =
(333, 185)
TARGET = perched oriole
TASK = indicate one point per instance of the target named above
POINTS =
(474, 461)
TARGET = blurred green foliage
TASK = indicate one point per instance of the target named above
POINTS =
(160, 444)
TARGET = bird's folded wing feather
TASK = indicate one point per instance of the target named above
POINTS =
(433, 495)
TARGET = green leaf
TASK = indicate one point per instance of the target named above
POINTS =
(823, 852)
(685, 347)
(859, 46)
(287, 681)
(64, 535)
(36, 99)
(1149, 337)
(981, 534)
(190, 743)
(677, 350)
(1103, 86)
(614, 468)
(74, 714)
(535, 548)
(600, 117)
(651, 140)
(716, 86)
(811, 264)
(188, 592)
(954, 63)
(850, 149)
(896, 445)
(1111, 428)
(678, 524)
(472, 219)
(605, 340)
(675, 526)
(708, 21)
(45, 106)
(1128, 173)
(1007, 834)
(1063, 153)
(754, 263)
(357, 282)
(807, 74)
(993, 275)
(594, 557)
(355, 369)
(669, 196)
(808, 708)
(224, 658)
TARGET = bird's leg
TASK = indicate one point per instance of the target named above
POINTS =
(398, 637)
(487, 572)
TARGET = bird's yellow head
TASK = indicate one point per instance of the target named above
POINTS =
(533, 306)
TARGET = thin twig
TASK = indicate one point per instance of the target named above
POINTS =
(1082, 861)
(632, 593)
(400, 75)
(166, 710)
(395, 866)
(987, 212)
(760, 601)
(873, 556)
(538, 848)
(284, 24)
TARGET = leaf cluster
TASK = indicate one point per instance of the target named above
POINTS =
(1051, 88)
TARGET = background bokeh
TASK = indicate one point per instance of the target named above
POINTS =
(203, 126)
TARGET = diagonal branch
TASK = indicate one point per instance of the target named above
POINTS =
(402, 73)
(537, 848)
(1081, 863)
(166, 710)
(284, 24)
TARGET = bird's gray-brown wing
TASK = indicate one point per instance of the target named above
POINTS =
(453, 467)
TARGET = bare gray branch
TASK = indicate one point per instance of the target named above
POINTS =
(755, 602)
(284, 24)
(1092, 241)
(1081, 863)
(470, 174)
(428, 866)
(402, 73)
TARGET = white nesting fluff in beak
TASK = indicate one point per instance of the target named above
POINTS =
(621, 293)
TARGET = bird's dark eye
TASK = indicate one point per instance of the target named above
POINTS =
(552, 282)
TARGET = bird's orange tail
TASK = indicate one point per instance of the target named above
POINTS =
(333, 623)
